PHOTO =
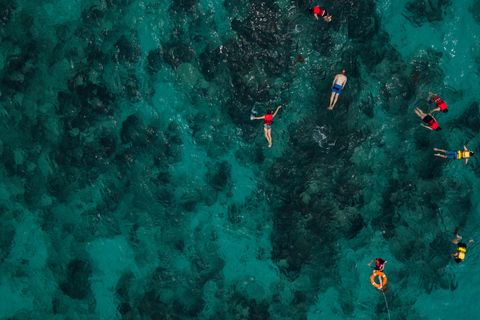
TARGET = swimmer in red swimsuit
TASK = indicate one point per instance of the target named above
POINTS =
(317, 12)
(267, 124)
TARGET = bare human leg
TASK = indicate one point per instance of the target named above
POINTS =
(457, 239)
(420, 113)
(269, 138)
(265, 131)
(333, 100)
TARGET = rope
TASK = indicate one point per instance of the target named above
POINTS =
(386, 305)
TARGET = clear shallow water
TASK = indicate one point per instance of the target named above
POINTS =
(135, 186)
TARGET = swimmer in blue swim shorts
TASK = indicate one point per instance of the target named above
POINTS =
(460, 154)
(337, 86)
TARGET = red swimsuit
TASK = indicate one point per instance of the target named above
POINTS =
(268, 119)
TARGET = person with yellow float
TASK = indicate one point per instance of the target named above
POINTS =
(459, 255)
(378, 271)
(460, 154)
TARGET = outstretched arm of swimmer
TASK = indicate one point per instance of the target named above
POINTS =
(431, 94)
(466, 161)
(262, 117)
(465, 148)
(471, 240)
(371, 261)
(275, 112)
(425, 126)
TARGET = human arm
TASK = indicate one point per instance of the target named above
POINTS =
(253, 118)
(466, 162)
(344, 82)
(275, 112)
(435, 110)
(316, 16)
(471, 240)
(431, 94)
(465, 148)
(334, 80)
(425, 126)
(371, 261)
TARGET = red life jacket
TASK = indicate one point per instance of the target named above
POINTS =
(268, 119)
(317, 10)
(380, 262)
(442, 105)
(433, 124)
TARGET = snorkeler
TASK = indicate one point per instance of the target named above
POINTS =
(465, 154)
(459, 255)
(442, 106)
(337, 86)
(267, 124)
(428, 119)
(380, 264)
(322, 13)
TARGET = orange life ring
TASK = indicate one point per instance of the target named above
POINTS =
(378, 273)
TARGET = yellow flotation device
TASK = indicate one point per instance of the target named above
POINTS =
(461, 253)
(463, 154)
(378, 273)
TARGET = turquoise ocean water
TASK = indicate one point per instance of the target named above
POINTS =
(135, 186)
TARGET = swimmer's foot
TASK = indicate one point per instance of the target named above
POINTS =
(436, 149)
(330, 108)
(269, 145)
(456, 231)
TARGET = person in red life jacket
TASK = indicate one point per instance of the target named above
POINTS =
(380, 264)
(465, 154)
(431, 122)
(317, 12)
(441, 105)
(267, 124)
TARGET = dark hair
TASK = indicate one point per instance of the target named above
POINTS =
(445, 111)
(311, 10)
(471, 153)
(269, 112)
(438, 129)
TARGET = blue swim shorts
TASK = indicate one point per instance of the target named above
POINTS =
(452, 154)
(267, 126)
(337, 88)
